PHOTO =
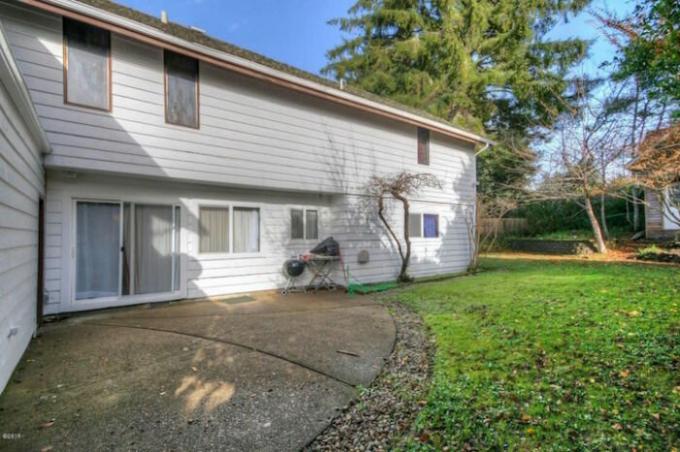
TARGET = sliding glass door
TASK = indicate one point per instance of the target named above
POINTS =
(135, 255)
(97, 250)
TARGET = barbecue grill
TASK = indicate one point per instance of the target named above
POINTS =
(320, 262)
(293, 268)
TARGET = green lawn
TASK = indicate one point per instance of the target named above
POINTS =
(554, 356)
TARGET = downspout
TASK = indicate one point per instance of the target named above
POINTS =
(487, 145)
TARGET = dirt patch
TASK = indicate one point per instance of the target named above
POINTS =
(385, 411)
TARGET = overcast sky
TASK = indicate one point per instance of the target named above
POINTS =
(296, 31)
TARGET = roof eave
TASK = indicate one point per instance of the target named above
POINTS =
(154, 36)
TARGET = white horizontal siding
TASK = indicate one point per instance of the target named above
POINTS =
(358, 228)
(288, 146)
(201, 274)
(252, 133)
(347, 218)
(21, 185)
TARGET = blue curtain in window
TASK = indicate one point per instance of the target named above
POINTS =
(430, 225)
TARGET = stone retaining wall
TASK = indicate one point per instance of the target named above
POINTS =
(553, 246)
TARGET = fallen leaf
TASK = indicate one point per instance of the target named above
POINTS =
(617, 427)
(624, 373)
(47, 424)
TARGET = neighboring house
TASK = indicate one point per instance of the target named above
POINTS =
(179, 166)
(660, 218)
(657, 165)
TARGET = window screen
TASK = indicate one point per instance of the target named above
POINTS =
(312, 224)
(414, 228)
(430, 225)
(181, 90)
(246, 230)
(297, 227)
(213, 229)
(86, 51)
(423, 146)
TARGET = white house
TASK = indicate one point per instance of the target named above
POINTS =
(173, 165)
(661, 214)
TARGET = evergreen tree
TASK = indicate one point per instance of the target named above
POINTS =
(485, 65)
(647, 42)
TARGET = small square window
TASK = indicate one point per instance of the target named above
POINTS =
(430, 225)
(304, 224)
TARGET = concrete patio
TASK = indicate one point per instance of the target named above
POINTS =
(263, 372)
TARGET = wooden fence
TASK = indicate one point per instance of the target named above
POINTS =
(502, 226)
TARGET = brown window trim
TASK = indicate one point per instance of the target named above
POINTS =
(65, 66)
(198, 91)
(423, 138)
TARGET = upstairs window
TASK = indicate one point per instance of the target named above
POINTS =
(87, 65)
(423, 146)
(181, 90)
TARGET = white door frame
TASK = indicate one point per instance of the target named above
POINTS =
(120, 300)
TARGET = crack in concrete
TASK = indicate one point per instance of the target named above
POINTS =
(234, 344)
(245, 314)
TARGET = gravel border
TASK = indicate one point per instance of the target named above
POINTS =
(384, 412)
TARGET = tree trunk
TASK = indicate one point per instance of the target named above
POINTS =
(636, 211)
(406, 257)
(603, 216)
(597, 231)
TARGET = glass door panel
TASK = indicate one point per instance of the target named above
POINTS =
(97, 250)
(153, 248)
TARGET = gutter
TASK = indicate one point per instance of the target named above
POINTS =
(487, 145)
(13, 82)
(158, 38)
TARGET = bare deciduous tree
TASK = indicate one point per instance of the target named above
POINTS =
(399, 187)
(586, 155)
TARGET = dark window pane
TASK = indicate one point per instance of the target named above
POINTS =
(312, 225)
(181, 100)
(414, 229)
(430, 225)
(423, 146)
(87, 65)
(296, 224)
